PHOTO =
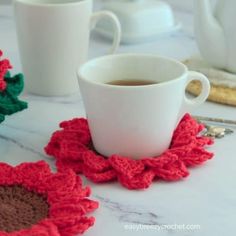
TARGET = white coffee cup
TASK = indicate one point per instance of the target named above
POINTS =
(136, 121)
(53, 37)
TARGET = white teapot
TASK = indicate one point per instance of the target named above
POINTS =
(215, 32)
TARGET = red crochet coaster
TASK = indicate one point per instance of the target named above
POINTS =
(34, 201)
(72, 148)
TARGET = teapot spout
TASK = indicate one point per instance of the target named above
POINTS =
(209, 34)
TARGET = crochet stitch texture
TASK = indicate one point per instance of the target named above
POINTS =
(71, 146)
(4, 66)
(67, 200)
(10, 89)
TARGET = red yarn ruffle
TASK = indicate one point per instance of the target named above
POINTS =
(71, 147)
(4, 67)
(67, 199)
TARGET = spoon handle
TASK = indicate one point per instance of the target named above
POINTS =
(217, 120)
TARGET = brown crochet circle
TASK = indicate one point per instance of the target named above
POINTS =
(20, 208)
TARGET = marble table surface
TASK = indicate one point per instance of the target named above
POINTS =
(205, 202)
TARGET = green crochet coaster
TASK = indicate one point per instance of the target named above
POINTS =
(9, 102)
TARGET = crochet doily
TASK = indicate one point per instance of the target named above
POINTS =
(72, 148)
(34, 201)
(10, 89)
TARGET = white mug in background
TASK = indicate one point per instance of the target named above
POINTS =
(53, 38)
(136, 121)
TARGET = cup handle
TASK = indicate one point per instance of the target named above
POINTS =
(116, 26)
(202, 97)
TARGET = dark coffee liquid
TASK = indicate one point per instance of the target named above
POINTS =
(131, 82)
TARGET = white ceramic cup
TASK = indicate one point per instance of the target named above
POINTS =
(136, 121)
(53, 38)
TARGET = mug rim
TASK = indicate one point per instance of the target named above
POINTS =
(125, 55)
(38, 4)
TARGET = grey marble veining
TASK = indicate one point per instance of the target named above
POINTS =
(74, 99)
(21, 145)
(130, 214)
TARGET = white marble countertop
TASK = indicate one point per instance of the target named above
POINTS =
(206, 199)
